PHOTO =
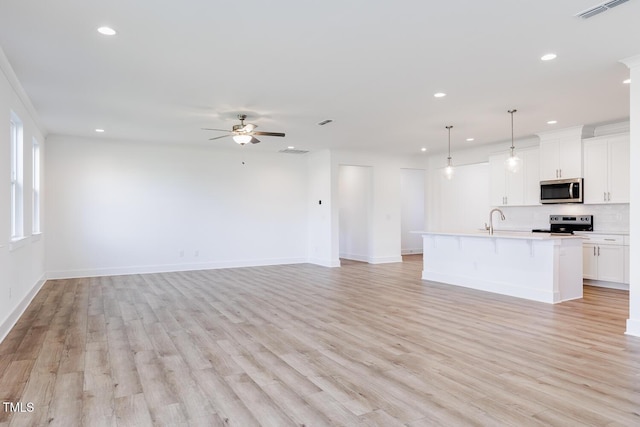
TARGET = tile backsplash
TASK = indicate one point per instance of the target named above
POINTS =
(613, 218)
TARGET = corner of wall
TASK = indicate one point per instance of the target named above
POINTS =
(8, 323)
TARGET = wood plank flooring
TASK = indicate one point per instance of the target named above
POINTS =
(305, 345)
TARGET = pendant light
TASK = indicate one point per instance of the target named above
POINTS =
(448, 170)
(513, 162)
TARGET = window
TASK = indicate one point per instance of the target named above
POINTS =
(17, 230)
(36, 186)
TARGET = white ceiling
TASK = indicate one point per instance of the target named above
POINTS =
(371, 66)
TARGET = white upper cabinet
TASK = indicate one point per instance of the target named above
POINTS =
(531, 160)
(606, 169)
(561, 153)
(514, 189)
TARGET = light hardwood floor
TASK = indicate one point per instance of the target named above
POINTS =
(306, 345)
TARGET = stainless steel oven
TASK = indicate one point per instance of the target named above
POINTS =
(561, 191)
(567, 224)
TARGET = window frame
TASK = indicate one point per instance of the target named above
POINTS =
(17, 178)
(36, 226)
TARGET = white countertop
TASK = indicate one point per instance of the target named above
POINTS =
(502, 234)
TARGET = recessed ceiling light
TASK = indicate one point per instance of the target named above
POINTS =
(470, 139)
(107, 31)
(291, 147)
(548, 57)
(552, 122)
(324, 122)
(440, 94)
(99, 130)
(423, 149)
(626, 81)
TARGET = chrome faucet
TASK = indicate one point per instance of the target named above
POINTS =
(491, 218)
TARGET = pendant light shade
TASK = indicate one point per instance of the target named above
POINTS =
(448, 170)
(513, 162)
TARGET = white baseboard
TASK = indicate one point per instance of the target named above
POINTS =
(411, 251)
(355, 257)
(168, 268)
(372, 260)
(325, 262)
(12, 318)
(385, 259)
(633, 327)
(610, 285)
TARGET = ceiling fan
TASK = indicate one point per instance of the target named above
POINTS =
(244, 133)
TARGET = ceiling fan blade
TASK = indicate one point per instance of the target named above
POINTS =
(249, 127)
(254, 140)
(218, 137)
(221, 130)
(269, 133)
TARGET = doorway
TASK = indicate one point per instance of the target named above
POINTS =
(412, 215)
(355, 188)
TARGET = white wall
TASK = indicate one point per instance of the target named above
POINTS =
(21, 262)
(355, 206)
(461, 203)
(123, 207)
(633, 323)
(386, 201)
(322, 220)
(412, 186)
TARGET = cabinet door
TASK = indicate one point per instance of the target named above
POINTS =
(595, 171)
(497, 183)
(610, 263)
(589, 261)
(626, 265)
(549, 160)
(570, 158)
(531, 178)
(514, 185)
(618, 162)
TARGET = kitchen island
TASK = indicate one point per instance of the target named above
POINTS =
(537, 266)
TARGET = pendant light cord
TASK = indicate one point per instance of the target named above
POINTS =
(449, 158)
(512, 144)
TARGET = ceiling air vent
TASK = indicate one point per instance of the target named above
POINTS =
(600, 8)
(293, 151)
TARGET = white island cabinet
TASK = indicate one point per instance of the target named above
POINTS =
(536, 266)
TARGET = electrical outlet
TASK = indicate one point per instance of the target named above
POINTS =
(181, 254)
(196, 253)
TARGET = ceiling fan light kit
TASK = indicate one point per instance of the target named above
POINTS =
(244, 133)
(242, 139)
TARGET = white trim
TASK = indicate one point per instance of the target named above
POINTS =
(355, 257)
(632, 61)
(608, 285)
(323, 262)
(17, 243)
(11, 77)
(633, 327)
(580, 132)
(168, 268)
(612, 129)
(385, 259)
(412, 251)
(9, 322)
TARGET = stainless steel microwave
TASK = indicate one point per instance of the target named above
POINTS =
(561, 191)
